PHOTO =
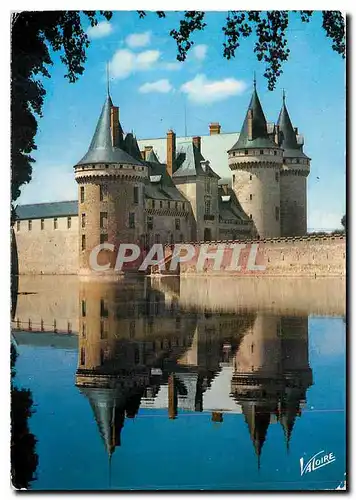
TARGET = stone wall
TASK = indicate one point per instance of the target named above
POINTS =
(48, 250)
(304, 256)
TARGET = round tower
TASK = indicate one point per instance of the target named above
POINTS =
(255, 161)
(294, 173)
(111, 196)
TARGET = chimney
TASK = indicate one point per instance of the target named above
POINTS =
(276, 134)
(249, 124)
(225, 188)
(197, 143)
(114, 125)
(172, 397)
(171, 151)
(217, 416)
(296, 130)
(214, 128)
(147, 150)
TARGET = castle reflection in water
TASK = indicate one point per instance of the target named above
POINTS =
(139, 347)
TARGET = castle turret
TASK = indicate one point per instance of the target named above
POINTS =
(255, 161)
(296, 168)
(110, 190)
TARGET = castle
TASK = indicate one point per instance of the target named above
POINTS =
(127, 195)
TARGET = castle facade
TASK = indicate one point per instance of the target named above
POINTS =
(250, 185)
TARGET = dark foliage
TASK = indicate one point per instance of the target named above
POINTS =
(24, 459)
(34, 35)
(270, 29)
(343, 221)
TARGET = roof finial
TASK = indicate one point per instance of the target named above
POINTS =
(284, 96)
(107, 78)
(254, 80)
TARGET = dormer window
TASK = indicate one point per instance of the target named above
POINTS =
(246, 151)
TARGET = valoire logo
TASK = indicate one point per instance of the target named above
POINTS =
(315, 463)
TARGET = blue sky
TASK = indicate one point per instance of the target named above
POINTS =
(152, 88)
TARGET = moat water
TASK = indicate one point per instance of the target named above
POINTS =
(184, 385)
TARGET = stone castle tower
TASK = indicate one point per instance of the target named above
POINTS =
(296, 168)
(111, 200)
(269, 171)
(255, 161)
(272, 374)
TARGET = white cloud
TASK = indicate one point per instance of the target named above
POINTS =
(139, 39)
(125, 62)
(162, 86)
(172, 66)
(104, 28)
(199, 52)
(319, 220)
(203, 91)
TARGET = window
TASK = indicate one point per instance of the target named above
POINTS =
(169, 205)
(161, 204)
(42, 224)
(103, 192)
(132, 329)
(30, 225)
(135, 195)
(81, 194)
(277, 213)
(84, 308)
(18, 225)
(82, 356)
(69, 327)
(83, 220)
(246, 151)
(103, 238)
(275, 153)
(84, 331)
(298, 160)
(181, 239)
(83, 242)
(103, 219)
(136, 356)
(261, 151)
(150, 222)
(104, 313)
(250, 197)
(176, 205)
(277, 177)
(55, 223)
(153, 203)
(157, 238)
(233, 178)
(208, 185)
(103, 331)
(250, 177)
(69, 222)
(131, 220)
(178, 224)
(55, 326)
(250, 216)
(207, 206)
(102, 358)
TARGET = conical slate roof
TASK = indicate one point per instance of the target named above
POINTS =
(287, 135)
(260, 137)
(101, 149)
(152, 157)
(131, 146)
(107, 414)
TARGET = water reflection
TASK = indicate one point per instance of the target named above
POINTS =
(235, 352)
(138, 348)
